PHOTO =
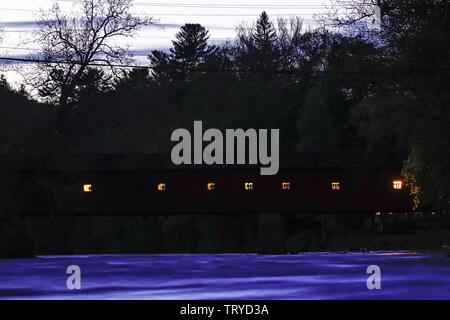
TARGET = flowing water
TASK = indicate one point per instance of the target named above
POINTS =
(404, 275)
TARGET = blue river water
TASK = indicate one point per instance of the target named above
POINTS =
(404, 275)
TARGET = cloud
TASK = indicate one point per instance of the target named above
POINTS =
(139, 54)
(19, 24)
(33, 24)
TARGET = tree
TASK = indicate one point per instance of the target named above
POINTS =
(259, 47)
(133, 80)
(163, 66)
(191, 47)
(408, 105)
(358, 15)
(190, 50)
(71, 45)
(264, 34)
(22, 131)
(314, 124)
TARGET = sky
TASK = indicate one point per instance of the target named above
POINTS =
(220, 17)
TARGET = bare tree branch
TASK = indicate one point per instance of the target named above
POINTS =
(71, 44)
(359, 14)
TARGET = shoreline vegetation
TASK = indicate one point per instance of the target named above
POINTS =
(444, 250)
(220, 235)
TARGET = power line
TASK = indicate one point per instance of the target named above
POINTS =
(228, 5)
(222, 15)
(186, 14)
(287, 71)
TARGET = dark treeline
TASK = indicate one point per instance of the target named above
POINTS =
(380, 89)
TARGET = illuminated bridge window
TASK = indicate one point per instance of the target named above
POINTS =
(286, 185)
(211, 186)
(397, 184)
(248, 186)
(161, 187)
(335, 186)
(87, 188)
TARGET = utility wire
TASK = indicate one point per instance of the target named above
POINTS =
(227, 5)
(164, 14)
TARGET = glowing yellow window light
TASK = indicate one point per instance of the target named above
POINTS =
(286, 185)
(161, 187)
(248, 186)
(397, 184)
(335, 186)
(211, 186)
(87, 188)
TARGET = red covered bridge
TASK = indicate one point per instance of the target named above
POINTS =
(345, 182)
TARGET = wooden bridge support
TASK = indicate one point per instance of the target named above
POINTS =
(271, 234)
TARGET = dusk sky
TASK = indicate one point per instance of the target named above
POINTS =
(17, 19)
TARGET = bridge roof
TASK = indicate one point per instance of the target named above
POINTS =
(142, 162)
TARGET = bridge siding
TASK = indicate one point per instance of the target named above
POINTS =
(134, 192)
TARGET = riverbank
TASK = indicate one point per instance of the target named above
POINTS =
(429, 242)
(426, 242)
(218, 234)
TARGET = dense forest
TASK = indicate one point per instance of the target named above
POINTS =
(343, 86)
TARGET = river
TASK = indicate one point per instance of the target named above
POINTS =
(404, 275)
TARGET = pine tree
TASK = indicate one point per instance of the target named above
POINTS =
(261, 45)
(191, 46)
(163, 66)
(264, 34)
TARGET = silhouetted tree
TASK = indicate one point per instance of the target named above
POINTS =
(316, 132)
(259, 45)
(191, 48)
(136, 79)
(71, 44)
(164, 68)
(264, 38)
